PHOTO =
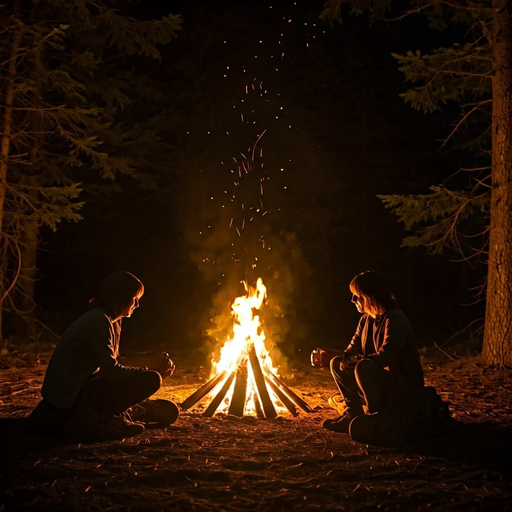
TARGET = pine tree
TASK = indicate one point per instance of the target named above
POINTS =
(69, 80)
(471, 211)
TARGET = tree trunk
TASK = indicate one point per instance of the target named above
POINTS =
(23, 293)
(23, 297)
(4, 156)
(497, 348)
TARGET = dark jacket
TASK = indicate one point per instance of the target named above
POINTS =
(388, 341)
(89, 346)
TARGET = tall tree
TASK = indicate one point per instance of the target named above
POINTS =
(475, 214)
(69, 89)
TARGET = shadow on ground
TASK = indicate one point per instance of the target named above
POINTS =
(483, 446)
(18, 439)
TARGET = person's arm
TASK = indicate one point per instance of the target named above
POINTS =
(102, 340)
(392, 338)
(355, 346)
(161, 363)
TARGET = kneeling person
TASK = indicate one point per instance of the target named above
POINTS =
(381, 366)
(86, 392)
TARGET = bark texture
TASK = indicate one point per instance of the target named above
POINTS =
(497, 348)
(5, 143)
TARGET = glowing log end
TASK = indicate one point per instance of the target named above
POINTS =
(288, 392)
(266, 402)
(210, 411)
(237, 405)
(202, 391)
(284, 399)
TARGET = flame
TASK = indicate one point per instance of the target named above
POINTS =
(247, 331)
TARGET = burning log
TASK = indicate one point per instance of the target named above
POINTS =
(291, 395)
(257, 406)
(262, 401)
(284, 399)
(220, 396)
(202, 391)
(237, 405)
(266, 402)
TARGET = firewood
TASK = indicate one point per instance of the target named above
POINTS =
(289, 393)
(257, 406)
(210, 411)
(237, 405)
(266, 402)
(284, 399)
(203, 391)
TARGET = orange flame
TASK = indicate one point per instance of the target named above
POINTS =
(247, 331)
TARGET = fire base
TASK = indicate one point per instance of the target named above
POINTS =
(264, 380)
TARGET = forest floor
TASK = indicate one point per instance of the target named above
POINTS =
(239, 464)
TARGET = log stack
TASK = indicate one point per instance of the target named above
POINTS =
(265, 381)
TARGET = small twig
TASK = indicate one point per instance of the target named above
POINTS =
(441, 350)
(25, 390)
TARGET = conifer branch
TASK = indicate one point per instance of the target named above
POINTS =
(464, 119)
(468, 6)
(474, 169)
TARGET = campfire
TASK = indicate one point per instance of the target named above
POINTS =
(244, 380)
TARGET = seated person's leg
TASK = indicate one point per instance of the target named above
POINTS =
(375, 383)
(111, 397)
(346, 383)
(159, 412)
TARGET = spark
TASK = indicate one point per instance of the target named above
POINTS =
(257, 140)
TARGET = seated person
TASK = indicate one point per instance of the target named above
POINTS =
(86, 392)
(381, 366)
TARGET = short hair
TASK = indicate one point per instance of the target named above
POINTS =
(374, 290)
(117, 291)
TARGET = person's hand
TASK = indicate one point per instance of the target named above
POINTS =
(346, 362)
(163, 365)
(169, 366)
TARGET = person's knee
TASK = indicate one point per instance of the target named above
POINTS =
(153, 381)
(336, 364)
(365, 369)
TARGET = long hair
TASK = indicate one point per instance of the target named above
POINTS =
(374, 291)
(117, 291)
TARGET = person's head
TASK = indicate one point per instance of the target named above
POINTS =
(120, 293)
(371, 293)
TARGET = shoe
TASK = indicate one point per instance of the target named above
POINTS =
(119, 426)
(162, 412)
(340, 424)
(337, 402)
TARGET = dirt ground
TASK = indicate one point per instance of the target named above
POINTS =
(289, 463)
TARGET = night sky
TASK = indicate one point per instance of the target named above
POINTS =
(284, 130)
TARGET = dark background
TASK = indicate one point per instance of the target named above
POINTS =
(336, 126)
